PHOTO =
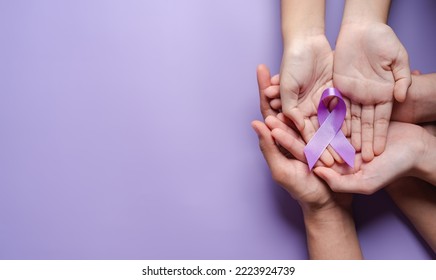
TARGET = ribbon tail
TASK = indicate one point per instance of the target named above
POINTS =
(344, 148)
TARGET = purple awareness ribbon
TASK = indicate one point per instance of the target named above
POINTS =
(329, 131)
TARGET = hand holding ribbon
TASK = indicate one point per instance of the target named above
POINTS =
(330, 132)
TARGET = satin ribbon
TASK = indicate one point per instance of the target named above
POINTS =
(329, 131)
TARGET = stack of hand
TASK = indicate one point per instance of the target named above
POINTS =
(389, 121)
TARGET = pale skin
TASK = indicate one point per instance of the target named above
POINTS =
(414, 157)
(409, 152)
(307, 67)
(416, 198)
(419, 107)
(371, 68)
(328, 219)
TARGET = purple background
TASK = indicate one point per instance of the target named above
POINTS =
(125, 132)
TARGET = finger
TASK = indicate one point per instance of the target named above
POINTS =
(296, 116)
(401, 71)
(267, 145)
(275, 123)
(416, 72)
(367, 132)
(356, 126)
(346, 126)
(286, 121)
(273, 91)
(382, 116)
(290, 143)
(342, 183)
(275, 80)
(276, 161)
(276, 104)
(263, 82)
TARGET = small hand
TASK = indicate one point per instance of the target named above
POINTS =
(268, 88)
(306, 70)
(370, 68)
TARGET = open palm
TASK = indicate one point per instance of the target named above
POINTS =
(370, 68)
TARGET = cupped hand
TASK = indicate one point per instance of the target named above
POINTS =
(306, 71)
(371, 68)
(289, 169)
(405, 146)
(293, 174)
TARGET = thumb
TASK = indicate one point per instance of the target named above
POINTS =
(289, 93)
(402, 75)
(332, 178)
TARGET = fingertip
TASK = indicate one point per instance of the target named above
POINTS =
(272, 91)
(400, 89)
(261, 67)
(356, 140)
(336, 157)
(269, 121)
(263, 77)
(276, 104)
(255, 125)
(367, 154)
(400, 96)
(319, 172)
(275, 80)
(323, 173)
(327, 159)
(379, 147)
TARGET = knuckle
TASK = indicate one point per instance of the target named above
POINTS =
(367, 125)
(355, 117)
(382, 121)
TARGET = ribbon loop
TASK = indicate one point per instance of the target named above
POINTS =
(329, 132)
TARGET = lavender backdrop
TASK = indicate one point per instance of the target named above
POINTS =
(125, 132)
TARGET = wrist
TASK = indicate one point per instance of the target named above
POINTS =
(331, 233)
(366, 11)
(424, 165)
(306, 43)
(301, 19)
(327, 212)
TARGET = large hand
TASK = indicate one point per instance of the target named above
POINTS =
(306, 70)
(303, 185)
(288, 169)
(371, 67)
(268, 91)
(328, 220)
(405, 147)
